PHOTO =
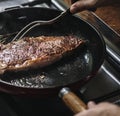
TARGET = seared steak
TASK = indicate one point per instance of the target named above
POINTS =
(32, 52)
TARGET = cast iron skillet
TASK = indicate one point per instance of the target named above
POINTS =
(73, 71)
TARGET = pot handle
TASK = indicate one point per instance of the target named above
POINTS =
(72, 101)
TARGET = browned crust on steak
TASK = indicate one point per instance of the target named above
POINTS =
(32, 52)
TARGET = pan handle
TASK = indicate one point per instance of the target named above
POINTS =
(72, 101)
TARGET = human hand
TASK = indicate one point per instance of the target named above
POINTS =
(81, 5)
(101, 109)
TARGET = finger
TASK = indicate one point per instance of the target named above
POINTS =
(81, 5)
(86, 113)
(77, 7)
(91, 104)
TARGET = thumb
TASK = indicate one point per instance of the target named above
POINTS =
(91, 104)
(77, 7)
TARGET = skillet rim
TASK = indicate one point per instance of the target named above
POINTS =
(93, 73)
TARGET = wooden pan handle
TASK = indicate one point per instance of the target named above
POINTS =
(72, 101)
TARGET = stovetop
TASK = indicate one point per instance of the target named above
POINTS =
(105, 86)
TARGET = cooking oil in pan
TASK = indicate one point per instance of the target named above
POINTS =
(70, 70)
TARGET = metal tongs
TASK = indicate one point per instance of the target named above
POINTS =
(34, 24)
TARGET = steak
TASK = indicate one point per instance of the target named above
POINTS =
(33, 52)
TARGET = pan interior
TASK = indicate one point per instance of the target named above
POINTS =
(66, 71)
(63, 72)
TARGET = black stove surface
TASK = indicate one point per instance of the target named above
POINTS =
(104, 87)
(26, 106)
